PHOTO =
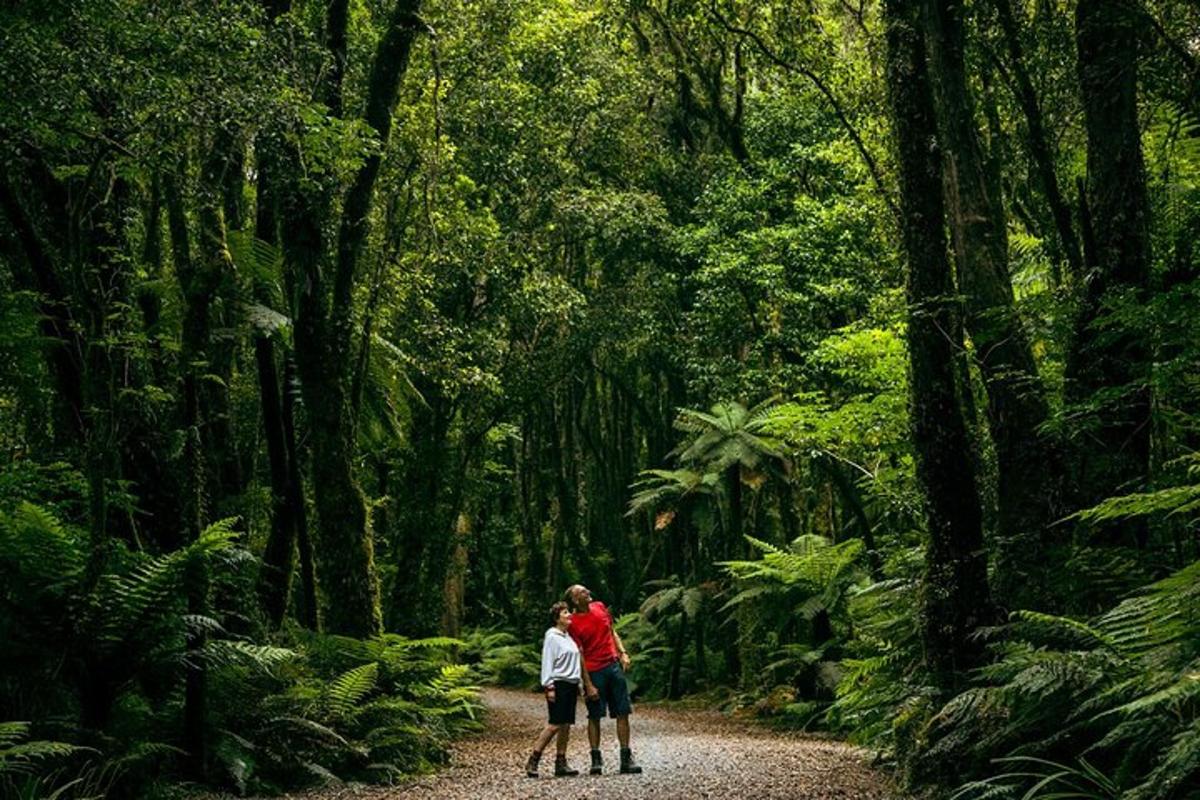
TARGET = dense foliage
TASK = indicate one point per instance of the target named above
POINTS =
(848, 350)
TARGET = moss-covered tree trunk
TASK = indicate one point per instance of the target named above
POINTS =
(1113, 455)
(309, 612)
(1039, 139)
(955, 598)
(1017, 406)
(324, 321)
(278, 560)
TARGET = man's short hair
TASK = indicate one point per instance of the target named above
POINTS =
(557, 609)
(569, 594)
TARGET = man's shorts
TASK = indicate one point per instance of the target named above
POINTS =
(562, 710)
(614, 693)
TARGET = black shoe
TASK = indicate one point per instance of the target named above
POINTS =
(597, 763)
(531, 765)
(628, 766)
(561, 770)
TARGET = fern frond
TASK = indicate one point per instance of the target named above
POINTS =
(348, 689)
(230, 652)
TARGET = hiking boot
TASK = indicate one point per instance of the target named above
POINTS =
(531, 765)
(561, 770)
(597, 763)
(628, 766)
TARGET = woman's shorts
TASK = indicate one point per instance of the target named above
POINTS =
(562, 710)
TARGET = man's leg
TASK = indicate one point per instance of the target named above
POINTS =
(621, 707)
(594, 732)
(623, 730)
(595, 714)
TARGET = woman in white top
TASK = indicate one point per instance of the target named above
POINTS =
(562, 671)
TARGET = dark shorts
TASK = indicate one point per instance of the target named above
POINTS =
(614, 693)
(562, 710)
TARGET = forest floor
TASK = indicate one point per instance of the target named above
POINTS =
(685, 754)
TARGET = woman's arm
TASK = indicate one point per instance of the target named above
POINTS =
(547, 661)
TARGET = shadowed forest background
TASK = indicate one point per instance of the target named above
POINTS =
(847, 350)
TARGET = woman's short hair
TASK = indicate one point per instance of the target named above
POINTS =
(557, 609)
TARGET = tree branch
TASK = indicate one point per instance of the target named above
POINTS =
(827, 93)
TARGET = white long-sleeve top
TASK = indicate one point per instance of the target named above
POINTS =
(560, 658)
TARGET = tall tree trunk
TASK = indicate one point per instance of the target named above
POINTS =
(275, 578)
(954, 599)
(278, 560)
(310, 611)
(1113, 455)
(201, 278)
(853, 504)
(64, 343)
(1017, 404)
(323, 327)
(454, 585)
(149, 299)
(1039, 140)
(195, 701)
(674, 689)
(734, 544)
(421, 490)
(533, 573)
(204, 274)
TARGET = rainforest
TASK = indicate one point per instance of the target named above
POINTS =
(847, 351)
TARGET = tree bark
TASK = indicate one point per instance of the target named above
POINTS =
(1039, 140)
(954, 597)
(310, 611)
(421, 486)
(278, 561)
(64, 348)
(275, 577)
(323, 321)
(1017, 406)
(1113, 455)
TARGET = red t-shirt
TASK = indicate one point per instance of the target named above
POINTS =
(592, 631)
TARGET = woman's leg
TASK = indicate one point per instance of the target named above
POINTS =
(543, 739)
(545, 736)
(561, 768)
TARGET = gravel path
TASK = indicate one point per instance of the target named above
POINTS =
(685, 754)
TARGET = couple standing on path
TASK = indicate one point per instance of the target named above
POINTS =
(586, 635)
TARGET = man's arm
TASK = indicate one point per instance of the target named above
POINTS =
(622, 654)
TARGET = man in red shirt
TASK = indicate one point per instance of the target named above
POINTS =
(604, 663)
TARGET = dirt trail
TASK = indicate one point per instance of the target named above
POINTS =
(685, 754)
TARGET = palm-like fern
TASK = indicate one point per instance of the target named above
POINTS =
(810, 577)
(883, 694)
(117, 606)
(656, 488)
(726, 435)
